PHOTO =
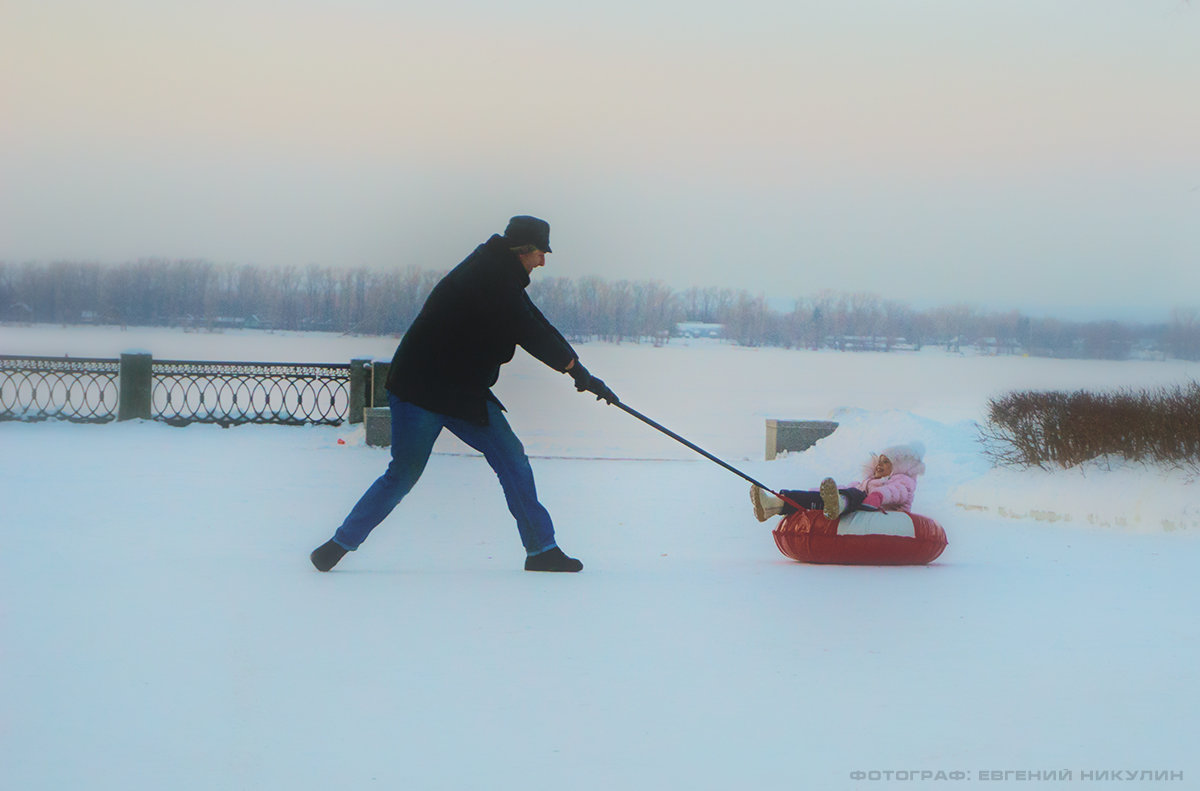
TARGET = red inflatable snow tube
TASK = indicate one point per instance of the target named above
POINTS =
(861, 538)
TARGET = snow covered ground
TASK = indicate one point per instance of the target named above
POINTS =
(161, 627)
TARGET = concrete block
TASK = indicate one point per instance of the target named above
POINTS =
(795, 435)
(378, 422)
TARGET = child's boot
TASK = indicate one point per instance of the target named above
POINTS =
(833, 501)
(765, 504)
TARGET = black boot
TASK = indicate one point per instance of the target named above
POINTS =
(327, 555)
(552, 559)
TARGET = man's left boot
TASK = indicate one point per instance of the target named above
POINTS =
(327, 555)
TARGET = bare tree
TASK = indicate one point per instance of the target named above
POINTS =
(1182, 337)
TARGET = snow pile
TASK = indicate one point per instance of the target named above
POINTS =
(1108, 493)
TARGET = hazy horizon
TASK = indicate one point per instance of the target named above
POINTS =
(779, 303)
(1010, 155)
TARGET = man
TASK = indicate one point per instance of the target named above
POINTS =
(441, 377)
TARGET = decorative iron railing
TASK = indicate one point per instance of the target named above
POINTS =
(79, 389)
(186, 391)
(182, 391)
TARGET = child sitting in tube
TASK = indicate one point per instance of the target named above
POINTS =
(889, 480)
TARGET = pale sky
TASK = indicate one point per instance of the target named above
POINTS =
(1039, 155)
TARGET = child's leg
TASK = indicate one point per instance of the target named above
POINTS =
(809, 500)
(854, 498)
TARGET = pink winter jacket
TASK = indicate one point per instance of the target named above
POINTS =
(897, 489)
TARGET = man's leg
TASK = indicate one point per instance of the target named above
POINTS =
(414, 431)
(506, 455)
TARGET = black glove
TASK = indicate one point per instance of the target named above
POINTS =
(585, 381)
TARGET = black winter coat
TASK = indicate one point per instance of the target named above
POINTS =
(469, 326)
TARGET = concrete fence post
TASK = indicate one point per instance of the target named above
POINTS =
(378, 416)
(360, 381)
(379, 375)
(134, 386)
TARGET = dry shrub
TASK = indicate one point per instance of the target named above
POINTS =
(1056, 429)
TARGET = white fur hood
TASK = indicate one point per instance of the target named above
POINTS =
(908, 459)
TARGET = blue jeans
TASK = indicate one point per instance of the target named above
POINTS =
(413, 433)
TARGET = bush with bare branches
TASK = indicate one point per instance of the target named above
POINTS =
(1057, 429)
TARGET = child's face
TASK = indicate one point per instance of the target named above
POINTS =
(883, 467)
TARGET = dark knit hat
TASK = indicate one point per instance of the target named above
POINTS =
(524, 229)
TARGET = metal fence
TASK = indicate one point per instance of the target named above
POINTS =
(185, 391)
(182, 391)
(79, 389)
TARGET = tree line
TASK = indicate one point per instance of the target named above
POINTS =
(205, 295)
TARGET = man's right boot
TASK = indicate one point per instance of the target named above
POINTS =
(553, 559)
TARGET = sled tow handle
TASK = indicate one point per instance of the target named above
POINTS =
(704, 453)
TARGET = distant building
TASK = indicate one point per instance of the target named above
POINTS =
(18, 312)
(699, 329)
(869, 343)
